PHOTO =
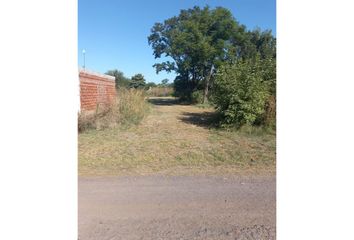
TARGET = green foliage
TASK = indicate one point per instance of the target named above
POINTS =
(269, 74)
(197, 97)
(204, 41)
(120, 79)
(200, 40)
(164, 82)
(137, 81)
(183, 88)
(264, 42)
(256, 44)
(197, 40)
(240, 92)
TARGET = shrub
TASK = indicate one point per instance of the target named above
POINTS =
(197, 97)
(129, 108)
(240, 93)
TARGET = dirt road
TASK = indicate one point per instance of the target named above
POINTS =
(161, 207)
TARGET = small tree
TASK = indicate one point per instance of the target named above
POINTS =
(120, 79)
(137, 81)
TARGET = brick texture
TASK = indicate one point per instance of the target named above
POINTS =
(96, 90)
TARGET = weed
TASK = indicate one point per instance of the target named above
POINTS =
(129, 108)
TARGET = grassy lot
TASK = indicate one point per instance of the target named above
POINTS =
(175, 139)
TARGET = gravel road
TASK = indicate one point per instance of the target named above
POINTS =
(166, 207)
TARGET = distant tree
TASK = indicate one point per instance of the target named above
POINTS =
(120, 79)
(150, 85)
(137, 81)
(164, 82)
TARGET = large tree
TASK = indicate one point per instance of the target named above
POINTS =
(198, 41)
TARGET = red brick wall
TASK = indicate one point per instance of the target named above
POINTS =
(95, 90)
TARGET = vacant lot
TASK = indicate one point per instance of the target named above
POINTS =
(175, 139)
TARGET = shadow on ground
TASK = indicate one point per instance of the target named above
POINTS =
(202, 119)
(163, 101)
(166, 101)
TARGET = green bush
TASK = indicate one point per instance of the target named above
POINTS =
(240, 92)
(197, 96)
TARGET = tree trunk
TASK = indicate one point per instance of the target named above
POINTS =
(207, 83)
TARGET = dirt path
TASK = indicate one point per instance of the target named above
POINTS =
(160, 207)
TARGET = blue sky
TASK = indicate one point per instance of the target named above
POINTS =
(114, 33)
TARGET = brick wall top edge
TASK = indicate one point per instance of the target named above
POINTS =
(89, 72)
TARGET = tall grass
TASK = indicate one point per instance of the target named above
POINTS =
(128, 108)
(160, 91)
(132, 106)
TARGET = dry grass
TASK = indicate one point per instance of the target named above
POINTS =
(129, 108)
(175, 139)
(160, 91)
